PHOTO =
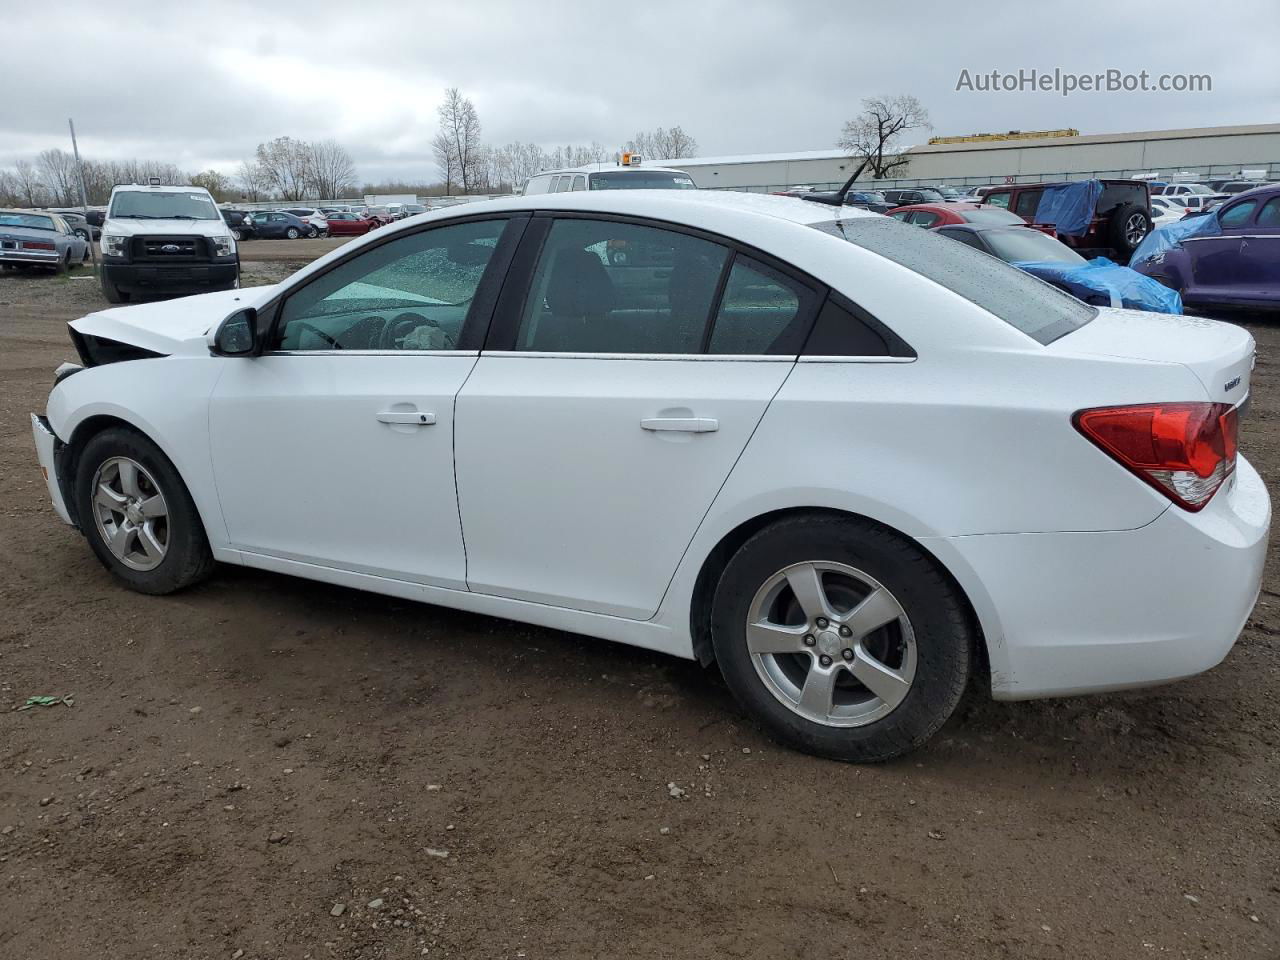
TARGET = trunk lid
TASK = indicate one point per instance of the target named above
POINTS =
(1219, 354)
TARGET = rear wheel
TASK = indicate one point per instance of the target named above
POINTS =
(137, 514)
(841, 638)
(292, 233)
(64, 263)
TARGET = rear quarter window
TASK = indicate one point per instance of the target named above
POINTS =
(1019, 299)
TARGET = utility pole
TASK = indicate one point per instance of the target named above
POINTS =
(84, 196)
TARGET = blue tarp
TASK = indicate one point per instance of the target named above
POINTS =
(1121, 286)
(1069, 206)
(1164, 239)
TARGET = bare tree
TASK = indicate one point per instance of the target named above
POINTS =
(29, 185)
(330, 168)
(460, 125)
(442, 149)
(874, 134)
(284, 163)
(58, 171)
(218, 184)
(249, 177)
(663, 144)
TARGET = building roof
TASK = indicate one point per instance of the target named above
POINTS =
(1188, 133)
(685, 162)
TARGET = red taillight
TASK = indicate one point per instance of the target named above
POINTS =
(1184, 450)
(37, 245)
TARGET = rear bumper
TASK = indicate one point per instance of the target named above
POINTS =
(48, 258)
(47, 444)
(1071, 613)
(193, 276)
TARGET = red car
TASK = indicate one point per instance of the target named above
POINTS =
(349, 225)
(942, 214)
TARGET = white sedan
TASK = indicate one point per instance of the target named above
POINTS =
(856, 465)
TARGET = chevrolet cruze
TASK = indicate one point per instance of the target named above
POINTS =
(857, 466)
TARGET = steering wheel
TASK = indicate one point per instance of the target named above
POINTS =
(319, 333)
(403, 324)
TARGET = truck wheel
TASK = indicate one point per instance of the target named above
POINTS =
(137, 514)
(1130, 225)
(113, 293)
(292, 233)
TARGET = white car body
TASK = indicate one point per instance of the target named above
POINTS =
(1163, 211)
(536, 496)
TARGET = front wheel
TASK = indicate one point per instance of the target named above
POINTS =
(137, 514)
(841, 638)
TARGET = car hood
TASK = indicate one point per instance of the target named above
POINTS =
(134, 228)
(170, 326)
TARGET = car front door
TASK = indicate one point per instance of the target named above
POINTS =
(1260, 253)
(627, 366)
(335, 446)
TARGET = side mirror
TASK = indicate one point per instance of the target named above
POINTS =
(236, 336)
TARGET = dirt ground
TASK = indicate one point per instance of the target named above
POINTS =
(263, 767)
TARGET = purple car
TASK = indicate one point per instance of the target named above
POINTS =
(1235, 265)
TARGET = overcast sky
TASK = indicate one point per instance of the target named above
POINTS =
(200, 85)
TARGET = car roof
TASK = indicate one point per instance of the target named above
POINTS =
(157, 188)
(602, 168)
(37, 213)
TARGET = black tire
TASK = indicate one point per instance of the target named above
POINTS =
(113, 293)
(937, 614)
(187, 558)
(292, 233)
(1125, 220)
(238, 234)
(63, 264)
(83, 234)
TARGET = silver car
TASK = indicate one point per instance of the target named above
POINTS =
(30, 238)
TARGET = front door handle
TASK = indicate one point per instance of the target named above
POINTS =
(681, 424)
(414, 417)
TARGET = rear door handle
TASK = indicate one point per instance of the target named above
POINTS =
(682, 424)
(414, 417)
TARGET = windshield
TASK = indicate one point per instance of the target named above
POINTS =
(163, 205)
(948, 191)
(1019, 299)
(29, 220)
(1022, 245)
(641, 180)
(868, 196)
(991, 217)
(929, 195)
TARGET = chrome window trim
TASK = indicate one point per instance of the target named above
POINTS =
(840, 359)
(371, 353)
(702, 357)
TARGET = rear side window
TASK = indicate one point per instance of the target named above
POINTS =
(998, 199)
(762, 312)
(1028, 202)
(1017, 298)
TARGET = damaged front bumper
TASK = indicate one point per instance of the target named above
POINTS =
(47, 447)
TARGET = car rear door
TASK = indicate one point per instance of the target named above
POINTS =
(626, 369)
(335, 447)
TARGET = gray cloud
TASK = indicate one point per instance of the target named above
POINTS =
(202, 87)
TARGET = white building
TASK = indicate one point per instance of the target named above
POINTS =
(1207, 152)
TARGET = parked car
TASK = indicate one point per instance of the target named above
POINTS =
(1241, 186)
(349, 225)
(871, 200)
(826, 513)
(1183, 190)
(611, 178)
(901, 197)
(940, 214)
(317, 224)
(80, 225)
(240, 222)
(277, 225)
(1121, 215)
(381, 214)
(950, 194)
(1236, 263)
(1165, 210)
(1101, 282)
(34, 238)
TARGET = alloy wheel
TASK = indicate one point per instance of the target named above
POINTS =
(130, 513)
(1135, 228)
(831, 643)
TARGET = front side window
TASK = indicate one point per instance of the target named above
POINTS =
(762, 312)
(606, 287)
(163, 205)
(1237, 215)
(1028, 203)
(1019, 299)
(411, 293)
